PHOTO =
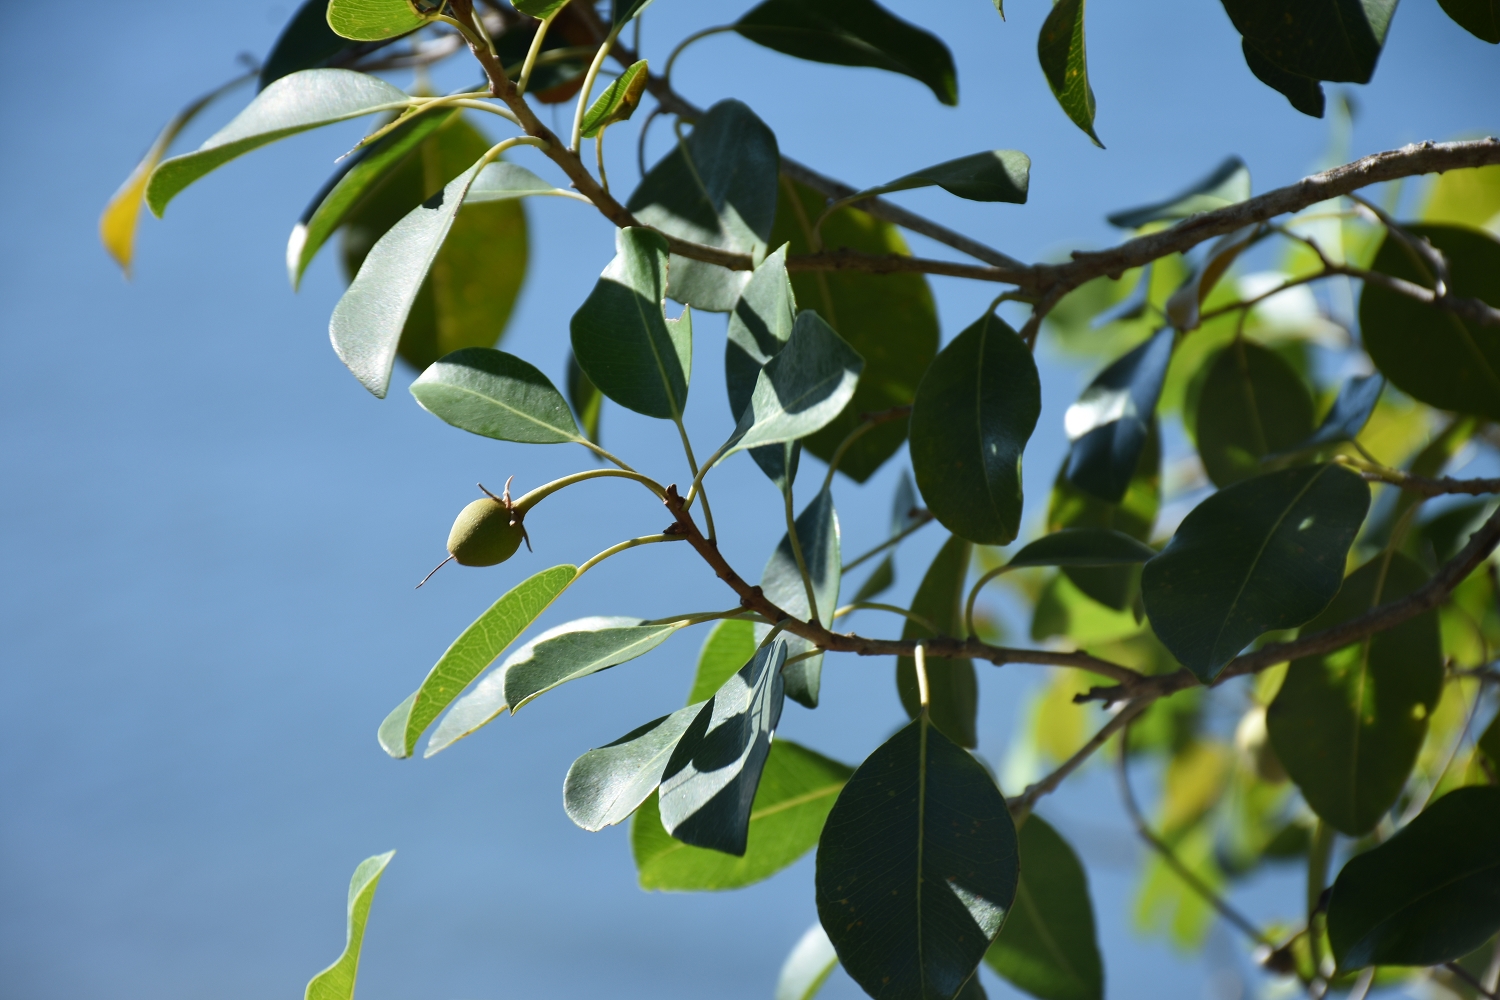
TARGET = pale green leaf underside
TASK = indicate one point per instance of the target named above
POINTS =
(337, 981)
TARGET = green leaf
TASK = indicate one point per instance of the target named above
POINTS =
(759, 326)
(1346, 417)
(496, 395)
(365, 173)
(618, 102)
(369, 320)
(1264, 554)
(709, 784)
(541, 9)
(1302, 92)
(808, 966)
(953, 690)
(728, 647)
(797, 789)
(1447, 362)
(587, 400)
(477, 708)
(1321, 39)
(917, 867)
(337, 981)
(470, 653)
(1083, 547)
(307, 42)
(621, 336)
(1466, 198)
(1347, 725)
(476, 277)
(800, 390)
(997, 175)
(1048, 947)
(1134, 515)
(1428, 895)
(374, 20)
(1253, 405)
(1113, 419)
(1489, 742)
(604, 786)
(718, 188)
(881, 579)
(853, 33)
(577, 649)
(1228, 184)
(1062, 609)
(1480, 18)
(781, 582)
(974, 412)
(293, 104)
(1064, 58)
(501, 181)
(1183, 306)
(889, 319)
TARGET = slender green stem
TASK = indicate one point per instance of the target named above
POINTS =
(687, 449)
(471, 36)
(666, 74)
(801, 656)
(1319, 853)
(895, 539)
(607, 456)
(478, 105)
(599, 156)
(843, 449)
(700, 473)
(535, 50)
(775, 631)
(796, 543)
(893, 609)
(531, 499)
(420, 106)
(919, 655)
(699, 617)
(974, 593)
(588, 86)
(622, 546)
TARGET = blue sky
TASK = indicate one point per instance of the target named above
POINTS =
(211, 531)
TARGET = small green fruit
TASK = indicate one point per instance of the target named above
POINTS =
(484, 534)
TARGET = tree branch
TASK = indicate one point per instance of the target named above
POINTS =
(1022, 804)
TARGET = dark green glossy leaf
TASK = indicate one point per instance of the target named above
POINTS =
(576, 649)
(470, 653)
(295, 103)
(337, 981)
(1489, 742)
(878, 582)
(709, 784)
(496, 395)
(818, 534)
(618, 102)
(953, 690)
(604, 786)
(759, 326)
(1134, 515)
(1228, 184)
(342, 197)
(373, 20)
(307, 42)
(797, 789)
(853, 33)
(716, 188)
(889, 319)
(369, 320)
(974, 412)
(1480, 18)
(621, 336)
(587, 400)
(1083, 547)
(728, 647)
(917, 867)
(1348, 414)
(1253, 404)
(1112, 421)
(624, 10)
(1063, 54)
(1267, 553)
(1347, 725)
(1428, 895)
(808, 966)
(1048, 946)
(1302, 92)
(1321, 39)
(799, 391)
(997, 175)
(1450, 363)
